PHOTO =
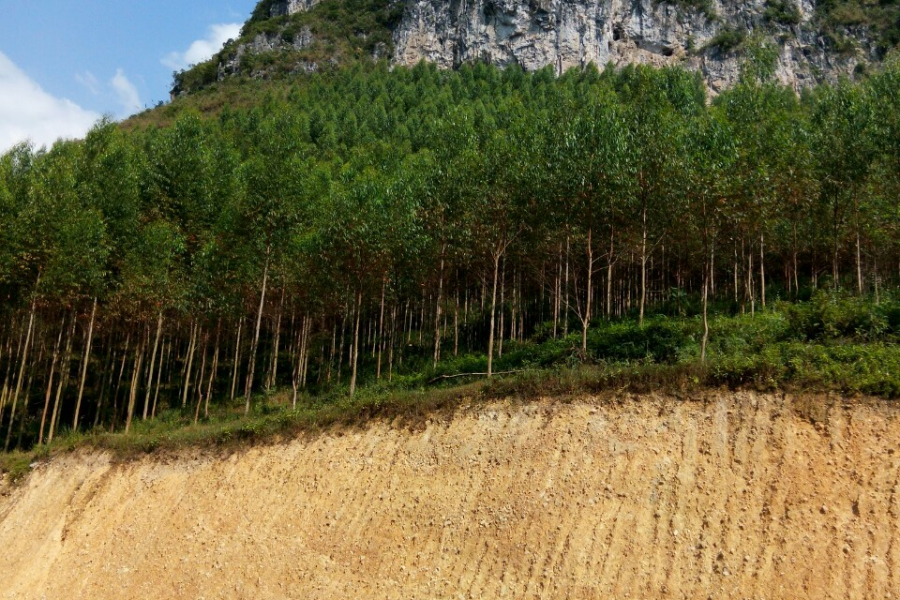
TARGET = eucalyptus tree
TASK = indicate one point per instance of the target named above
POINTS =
(591, 163)
(709, 154)
(264, 213)
(842, 117)
(495, 208)
(654, 101)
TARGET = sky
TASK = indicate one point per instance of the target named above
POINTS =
(66, 63)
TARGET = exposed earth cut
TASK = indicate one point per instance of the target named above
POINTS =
(737, 496)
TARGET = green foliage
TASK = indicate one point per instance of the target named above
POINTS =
(333, 32)
(727, 40)
(394, 197)
(882, 19)
(782, 12)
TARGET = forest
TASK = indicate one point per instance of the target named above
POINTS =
(378, 227)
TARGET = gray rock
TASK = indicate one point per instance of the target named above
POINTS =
(574, 33)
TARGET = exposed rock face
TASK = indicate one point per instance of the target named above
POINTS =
(289, 7)
(574, 33)
(565, 34)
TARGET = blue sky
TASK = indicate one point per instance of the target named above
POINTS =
(63, 63)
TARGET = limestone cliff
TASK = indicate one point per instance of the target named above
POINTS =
(566, 34)
(709, 36)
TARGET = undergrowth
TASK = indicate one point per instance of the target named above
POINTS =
(829, 343)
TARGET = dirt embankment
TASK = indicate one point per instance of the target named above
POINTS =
(738, 497)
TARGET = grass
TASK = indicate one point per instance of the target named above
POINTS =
(829, 343)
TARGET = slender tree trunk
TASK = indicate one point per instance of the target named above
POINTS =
(565, 316)
(152, 370)
(26, 397)
(106, 378)
(557, 289)
(501, 331)
(212, 373)
(859, 273)
(22, 363)
(162, 356)
(273, 373)
(456, 327)
(643, 263)
(115, 418)
(54, 360)
(762, 270)
(794, 259)
(609, 273)
(380, 340)
(391, 347)
(437, 311)
(84, 365)
(64, 370)
(490, 368)
(586, 321)
(237, 359)
(200, 378)
(262, 301)
(189, 364)
(4, 395)
(354, 350)
(135, 382)
(340, 365)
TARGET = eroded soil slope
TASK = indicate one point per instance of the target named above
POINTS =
(739, 497)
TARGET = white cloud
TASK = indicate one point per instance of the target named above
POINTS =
(27, 112)
(202, 50)
(126, 93)
(88, 80)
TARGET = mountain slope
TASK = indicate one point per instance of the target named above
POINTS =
(810, 41)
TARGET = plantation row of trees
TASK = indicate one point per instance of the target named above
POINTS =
(378, 220)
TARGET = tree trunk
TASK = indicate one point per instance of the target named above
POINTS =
(762, 270)
(502, 330)
(54, 360)
(643, 263)
(118, 387)
(794, 259)
(859, 275)
(456, 327)
(65, 368)
(248, 390)
(380, 340)
(135, 382)
(84, 365)
(565, 316)
(586, 321)
(162, 359)
(22, 363)
(200, 378)
(609, 274)
(189, 364)
(273, 370)
(237, 359)
(159, 324)
(490, 368)
(437, 311)
(215, 368)
(354, 350)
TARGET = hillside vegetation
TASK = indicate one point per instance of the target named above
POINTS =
(252, 269)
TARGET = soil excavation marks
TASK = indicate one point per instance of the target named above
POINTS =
(742, 496)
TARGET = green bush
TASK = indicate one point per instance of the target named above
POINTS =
(727, 40)
(783, 12)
